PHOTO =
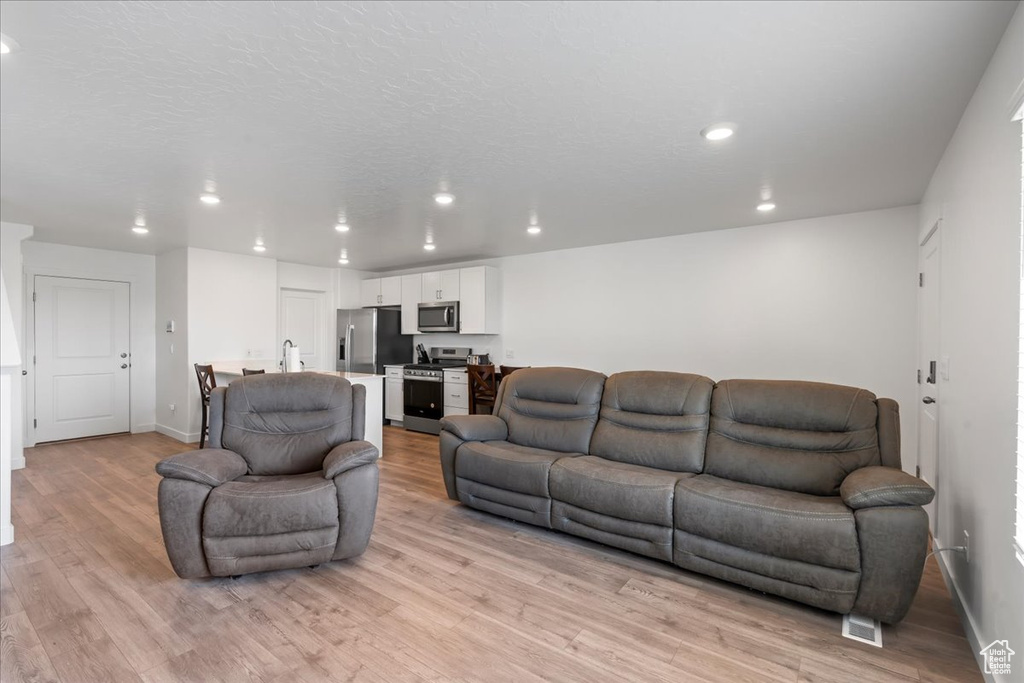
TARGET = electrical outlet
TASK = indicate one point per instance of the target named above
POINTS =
(967, 547)
(172, 407)
(510, 354)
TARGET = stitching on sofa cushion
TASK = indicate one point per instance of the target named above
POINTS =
(784, 448)
(781, 512)
(213, 482)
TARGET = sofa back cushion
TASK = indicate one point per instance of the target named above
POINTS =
(286, 423)
(551, 408)
(654, 419)
(797, 436)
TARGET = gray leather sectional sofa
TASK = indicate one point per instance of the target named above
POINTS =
(286, 479)
(791, 488)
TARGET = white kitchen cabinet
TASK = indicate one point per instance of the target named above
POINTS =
(479, 300)
(394, 402)
(381, 291)
(411, 287)
(456, 392)
(441, 285)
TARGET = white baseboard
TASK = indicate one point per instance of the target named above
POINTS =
(139, 429)
(974, 636)
(175, 434)
(7, 534)
(18, 463)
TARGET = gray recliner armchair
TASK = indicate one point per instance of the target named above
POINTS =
(286, 479)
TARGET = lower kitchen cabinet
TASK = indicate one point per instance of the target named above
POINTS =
(456, 392)
(394, 401)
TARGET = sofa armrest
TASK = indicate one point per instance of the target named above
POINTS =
(476, 427)
(871, 487)
(347, 456)
(210, 466)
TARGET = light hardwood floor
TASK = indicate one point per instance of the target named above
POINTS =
(443, 593)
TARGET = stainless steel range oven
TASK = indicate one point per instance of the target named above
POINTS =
(423, 396)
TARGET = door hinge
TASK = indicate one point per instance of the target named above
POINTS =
(33, 297)
(920, 279)
(918, 376)
(917, 471)
(33, 360)
(35, 423)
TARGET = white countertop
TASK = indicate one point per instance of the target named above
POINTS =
(233, 368)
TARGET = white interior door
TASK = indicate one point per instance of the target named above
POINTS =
(304, 321)
(83, 358)
(930, 366)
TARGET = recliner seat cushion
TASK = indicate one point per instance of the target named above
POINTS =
(274, 516)
(507, 466)
(286, 423)
(551, 408)
(654, 419)
(816, 530)
(629, 492)
(797, 436)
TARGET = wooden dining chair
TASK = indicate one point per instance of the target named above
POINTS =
(246, 372)
(483, 387)
(207, 383)
(507, 370)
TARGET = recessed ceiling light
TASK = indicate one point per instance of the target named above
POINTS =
(209, 198)
(343, 261)
(764, 207)
(7, 45)
(342, 227)
(140, 229)
(429, 246)
(718, 131)
(533, 230)
(444, 198)
(259, 246)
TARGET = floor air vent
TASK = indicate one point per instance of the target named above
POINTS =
(862, 629)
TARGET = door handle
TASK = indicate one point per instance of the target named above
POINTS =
(928, 400)
(124, 365)
(124, 355)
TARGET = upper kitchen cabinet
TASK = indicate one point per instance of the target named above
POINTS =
(480, 294)
(385, 291)
(440, 285)
(411, 287)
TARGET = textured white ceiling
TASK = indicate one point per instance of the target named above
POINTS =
(586, 112)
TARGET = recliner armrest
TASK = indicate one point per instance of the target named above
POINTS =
(347, 456)
(210, 466)
(883, 486)
(476, 427)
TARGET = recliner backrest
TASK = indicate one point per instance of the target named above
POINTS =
(551, 408)
(798, 436)
(286, 423)
(654, 419)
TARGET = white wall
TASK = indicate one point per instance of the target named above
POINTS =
(174, 374)
(232, 312)
(41, 258)
(11, 237)
(827, 299)
(976, 192)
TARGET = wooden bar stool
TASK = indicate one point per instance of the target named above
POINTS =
(207, 383)
(483, 387)
(246, 372)
(507, 370)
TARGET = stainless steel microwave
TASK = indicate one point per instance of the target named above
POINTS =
(440, 316)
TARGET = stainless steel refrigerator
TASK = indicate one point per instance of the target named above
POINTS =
(370, 338)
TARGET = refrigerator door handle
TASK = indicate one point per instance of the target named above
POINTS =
(348, 347)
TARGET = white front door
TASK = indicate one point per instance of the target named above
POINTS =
(304, 321)
(83, 358)
(929, 365)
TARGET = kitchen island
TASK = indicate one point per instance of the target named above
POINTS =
(228, 371)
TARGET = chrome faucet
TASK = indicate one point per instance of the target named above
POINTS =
(284, 354)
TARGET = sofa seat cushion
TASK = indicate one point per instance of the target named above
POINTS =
(507, 466)
(288, 516)
(616, 489)
(817, 530)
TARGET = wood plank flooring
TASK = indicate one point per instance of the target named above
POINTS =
(443, 593)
